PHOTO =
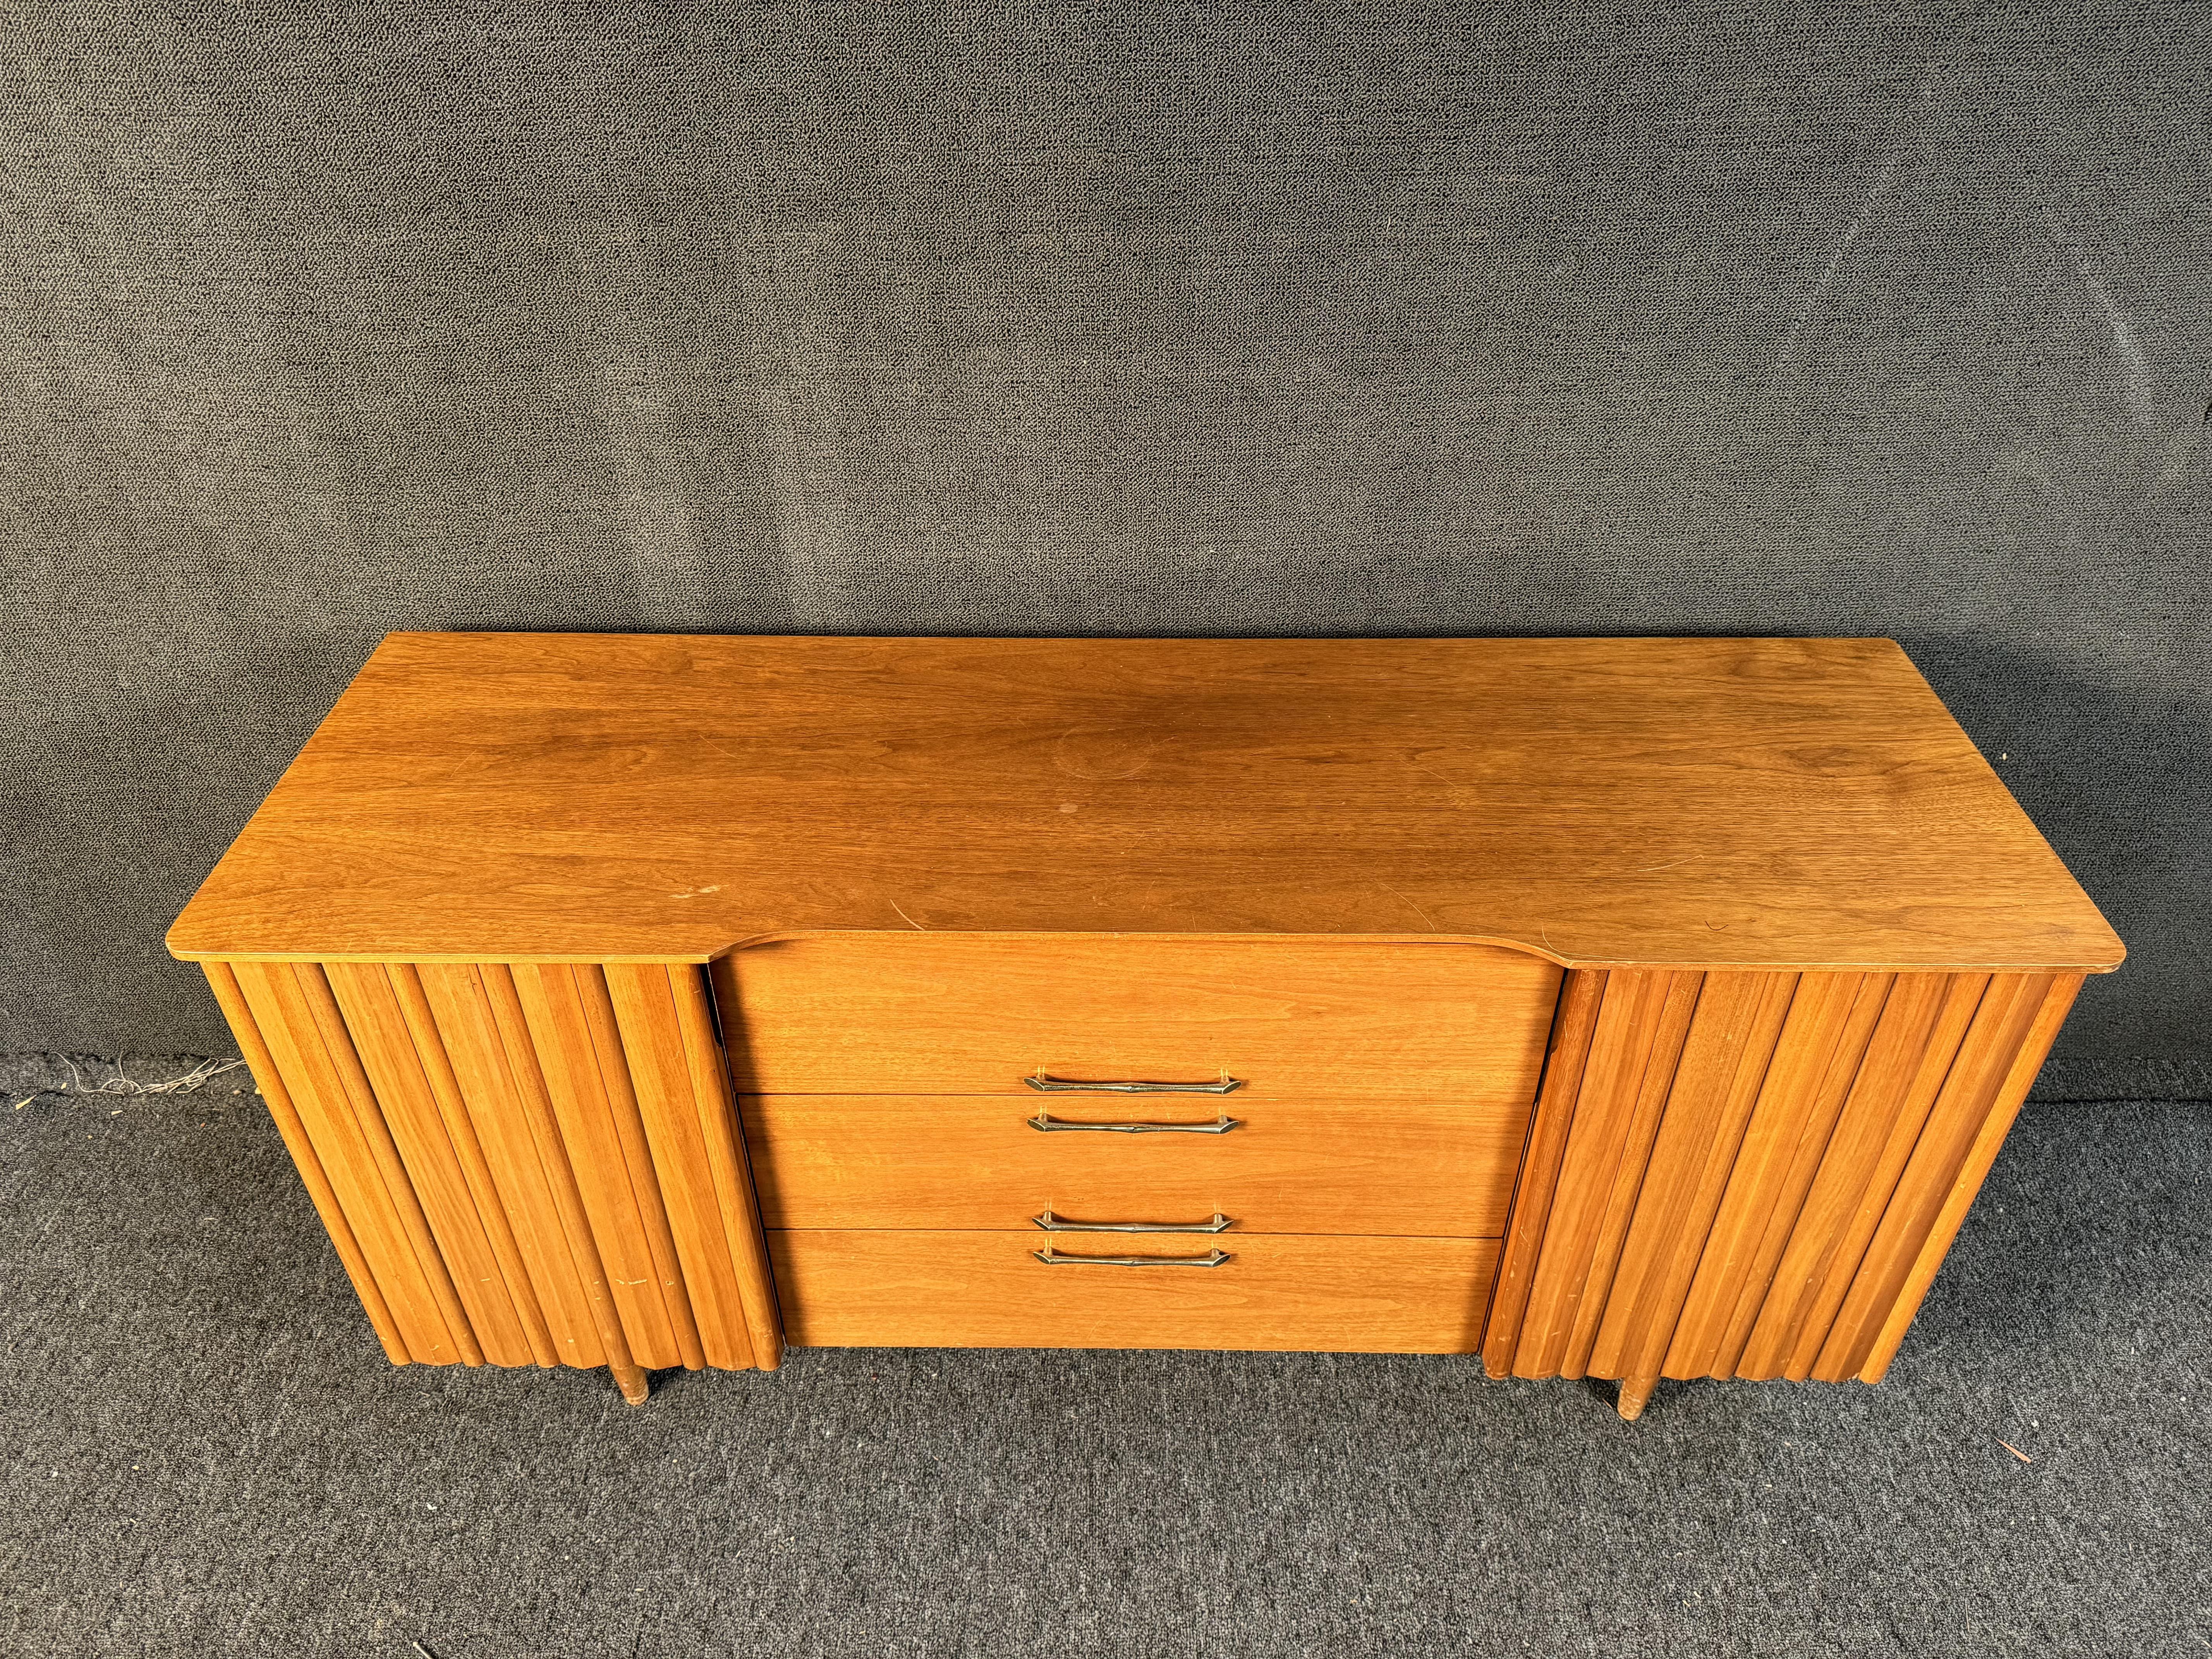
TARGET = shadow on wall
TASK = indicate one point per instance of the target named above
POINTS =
(2120, 783)
(1560, 324)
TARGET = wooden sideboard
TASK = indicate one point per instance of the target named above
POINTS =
(1620, 1008)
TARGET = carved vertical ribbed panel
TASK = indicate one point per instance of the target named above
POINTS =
(297, 1047)
(522, 1150)
(1755, 1175)
(535, 1164)
(231, 997)
(397, 1083)
(1709, 1106)
(620, 1200)
(689, 1115)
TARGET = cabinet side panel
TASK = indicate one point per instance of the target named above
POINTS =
(2012, 1032)
(1812, 1025)
(1762, 1171)
(644, 1007)
(460, 1007)
(400, 1084)
(1565, 1061)
(279, 1012)
(271, 1083)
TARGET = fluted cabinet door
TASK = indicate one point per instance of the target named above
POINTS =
(1755, 1175)
(528, 1164)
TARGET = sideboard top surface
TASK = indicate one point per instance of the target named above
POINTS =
(1692, 802)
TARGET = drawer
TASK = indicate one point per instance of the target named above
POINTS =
(954, 1161)
(981, 1290)
(977, 1013)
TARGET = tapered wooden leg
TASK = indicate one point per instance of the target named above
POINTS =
(1635, 1393)
(631, 1381)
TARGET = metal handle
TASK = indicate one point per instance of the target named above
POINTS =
(1053, 1258)
(1053, 1223)
(1046, 1085)
(1051, 1125)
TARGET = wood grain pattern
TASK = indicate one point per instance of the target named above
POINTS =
(1794, 1132)
(1920, 1030)
(1707, 804)
(430, 1045)
(725, 1157)
(1651, 1096)
(1968, 1103)
(1535, 1189)
(1831, 1018)
(612, 1065)
(606, 1181)
(1874, 1359)
(526, 1066)
(516, 1165)
(645, 1010)
(459, 1005)
(977, 1289)
(1599, 1117)
(1707, 1108)
(366, 1008)
(921, 1014)
(1814, 953)
(959, 1163)
(1819, 1139)
(376, 1131)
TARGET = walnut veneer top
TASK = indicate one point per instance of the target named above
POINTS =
(1692, 802)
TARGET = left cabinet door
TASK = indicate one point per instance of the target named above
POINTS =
(518, 1164)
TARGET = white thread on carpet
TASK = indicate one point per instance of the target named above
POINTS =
(120, 1084)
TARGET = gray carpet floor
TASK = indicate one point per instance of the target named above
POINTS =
(209, 1456)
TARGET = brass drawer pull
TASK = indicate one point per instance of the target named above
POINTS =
(1051, 1125)
(1053, 1258)
(1046, 1085)
(1053, 1223)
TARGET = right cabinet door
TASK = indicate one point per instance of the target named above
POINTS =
(1751, 1175)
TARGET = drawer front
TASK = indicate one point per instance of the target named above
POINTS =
(1287, 1167)
(974, 1014)
(977, 1289)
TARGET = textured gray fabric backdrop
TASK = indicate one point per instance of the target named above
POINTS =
(957, 319)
